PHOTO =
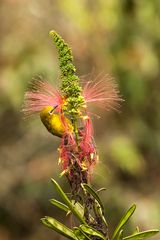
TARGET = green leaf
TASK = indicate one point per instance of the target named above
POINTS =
(59, 205)
(58, 227)
(94, 194)
(99, 210)
(80, 234)
(91, 231)
(142, 235)
(124, 220)
(80, 209)
(67, 201)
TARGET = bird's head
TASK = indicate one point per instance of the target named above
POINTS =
(47, 112)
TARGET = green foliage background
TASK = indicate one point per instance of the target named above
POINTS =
(111, 36)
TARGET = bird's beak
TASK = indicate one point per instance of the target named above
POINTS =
(53, 109)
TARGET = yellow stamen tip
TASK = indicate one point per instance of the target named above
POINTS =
(86, 117)
(59, 161)
(63, 173)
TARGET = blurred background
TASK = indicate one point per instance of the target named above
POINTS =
(121, 38)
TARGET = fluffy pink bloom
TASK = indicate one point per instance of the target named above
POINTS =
(102, 91)
(41, 95)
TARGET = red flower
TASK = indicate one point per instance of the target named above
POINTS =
(88, 153)
(67, 151)
(85, 154)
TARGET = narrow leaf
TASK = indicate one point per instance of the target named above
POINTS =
(91, 231)
(142, 235)
(58, 227)
(67, 201)
(99, 210)
(94, 194)
(80, 209)
(59, 205)
(124, 220)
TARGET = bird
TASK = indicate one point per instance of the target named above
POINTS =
(56, 123)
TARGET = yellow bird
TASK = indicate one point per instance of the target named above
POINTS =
(53, 122)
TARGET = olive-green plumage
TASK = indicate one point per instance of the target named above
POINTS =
(53, 122)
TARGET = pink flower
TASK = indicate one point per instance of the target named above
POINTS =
(41, 95)
(102, 91)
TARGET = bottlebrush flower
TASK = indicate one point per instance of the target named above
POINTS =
(40, 95)
(101, 91)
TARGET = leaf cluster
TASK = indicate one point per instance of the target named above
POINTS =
(83, 231)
